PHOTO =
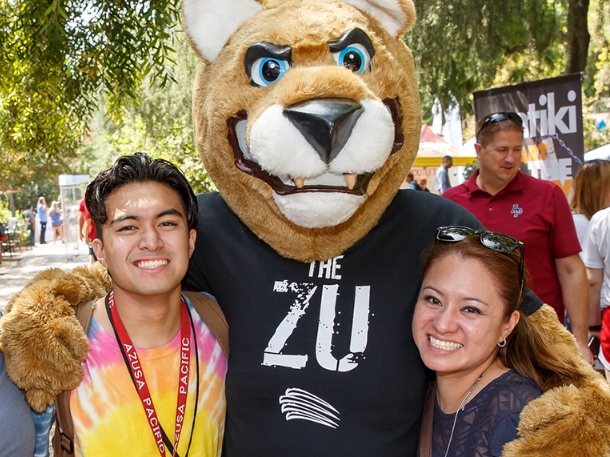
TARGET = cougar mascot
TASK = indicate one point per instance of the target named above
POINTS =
(307, 117)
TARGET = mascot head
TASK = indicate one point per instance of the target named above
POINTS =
(306, 114)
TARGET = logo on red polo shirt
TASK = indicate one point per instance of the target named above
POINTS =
(516, 211)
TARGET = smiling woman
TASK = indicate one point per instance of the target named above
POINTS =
(469, 328)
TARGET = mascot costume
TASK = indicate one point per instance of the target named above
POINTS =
(307, 117)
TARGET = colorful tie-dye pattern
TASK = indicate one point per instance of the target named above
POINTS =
(109, 419)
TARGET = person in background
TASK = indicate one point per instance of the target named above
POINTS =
(424, 185)
(56, 222)
(596, 256)
(411, 183)
(80, 217)
(469, 328)
(41, 210)
(591, 193)
(30, 221)
(86, 229)
(441, 181)
(533, 211)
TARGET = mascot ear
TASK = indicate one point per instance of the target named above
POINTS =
(396, 16)
(210, 23)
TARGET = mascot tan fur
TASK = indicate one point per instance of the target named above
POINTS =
(50, 329)
(313, 203)
(306, 116)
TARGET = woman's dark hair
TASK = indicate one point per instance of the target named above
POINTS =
(527, 350)
(138, 168)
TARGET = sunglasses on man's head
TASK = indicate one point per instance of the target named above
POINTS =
(500, 117)
(497, 242)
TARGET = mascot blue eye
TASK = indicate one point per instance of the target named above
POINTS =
(267, 70)
(355, 58)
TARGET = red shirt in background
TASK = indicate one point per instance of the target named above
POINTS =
(535, 212)
(83, 208)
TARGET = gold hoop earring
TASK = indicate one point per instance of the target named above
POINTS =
(502, 344)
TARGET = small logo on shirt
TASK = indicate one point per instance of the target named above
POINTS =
(516, 211)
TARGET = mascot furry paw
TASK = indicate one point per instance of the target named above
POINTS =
(44, 351)
(307, 117)
(568, 416)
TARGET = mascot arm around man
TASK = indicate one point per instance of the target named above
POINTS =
(307, 117)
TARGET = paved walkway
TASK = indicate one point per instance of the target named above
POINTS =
(16, 271)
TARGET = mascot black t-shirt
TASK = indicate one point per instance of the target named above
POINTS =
(322, 358)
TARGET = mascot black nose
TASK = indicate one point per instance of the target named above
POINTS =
(326, 124)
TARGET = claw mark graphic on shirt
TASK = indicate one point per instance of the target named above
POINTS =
(300, 404)
(277, 342)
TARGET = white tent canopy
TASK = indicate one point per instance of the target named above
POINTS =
(599, 153)
(432, 148)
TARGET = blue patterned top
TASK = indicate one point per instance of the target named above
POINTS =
(488, 421)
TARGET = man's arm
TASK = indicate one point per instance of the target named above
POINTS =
(81, 224)
(85, 230)
(595, 276)
(575, 292)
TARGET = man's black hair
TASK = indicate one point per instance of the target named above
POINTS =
(138, 168)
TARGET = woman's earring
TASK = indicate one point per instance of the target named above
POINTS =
(502, 344)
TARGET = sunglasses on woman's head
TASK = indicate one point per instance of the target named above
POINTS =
(497, 242)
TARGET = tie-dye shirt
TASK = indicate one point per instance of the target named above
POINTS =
(109, 419)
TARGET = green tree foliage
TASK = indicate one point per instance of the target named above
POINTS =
(463, 45)
(467, 45)
(82, 81)
(596, 87)
(159, 124)
(28, 193)
(598, 63)
(55, 58)
(578, 36)
(5, 212)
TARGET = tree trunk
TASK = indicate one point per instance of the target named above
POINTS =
(578, 36)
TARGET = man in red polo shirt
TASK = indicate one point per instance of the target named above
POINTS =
(532, 210)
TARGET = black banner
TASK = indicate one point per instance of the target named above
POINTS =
(551, 110)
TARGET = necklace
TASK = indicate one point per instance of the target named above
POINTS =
(461, 408)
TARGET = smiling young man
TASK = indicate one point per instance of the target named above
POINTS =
(534, 211)
(154, 375)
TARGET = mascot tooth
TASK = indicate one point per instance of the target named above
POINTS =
(307, 117)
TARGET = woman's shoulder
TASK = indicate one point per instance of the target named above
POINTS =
(509, 393)
(505, 398)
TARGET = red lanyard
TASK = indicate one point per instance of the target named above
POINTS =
(137, 375)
